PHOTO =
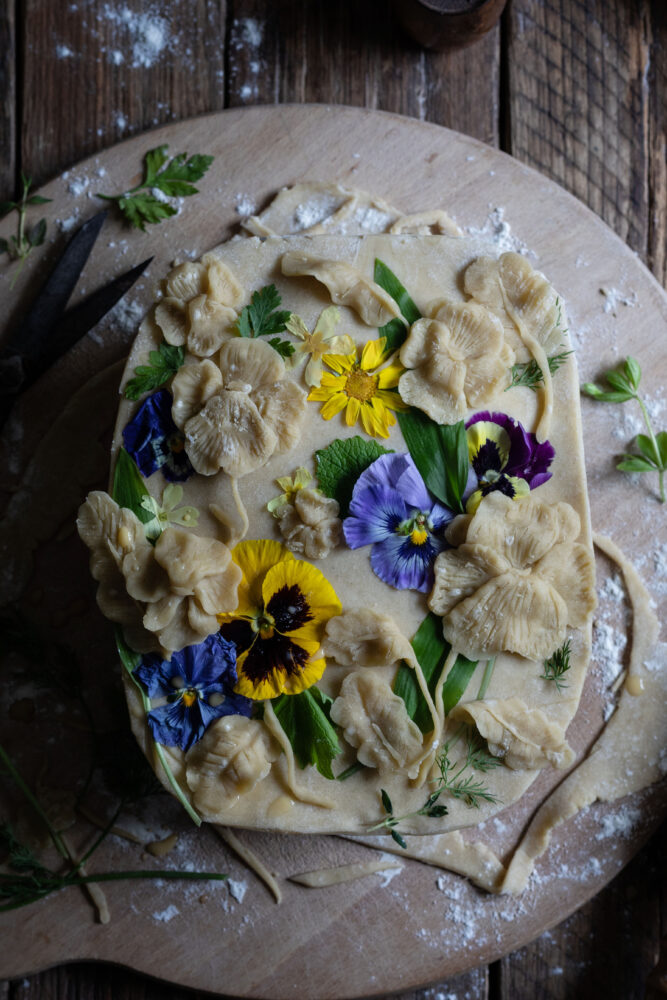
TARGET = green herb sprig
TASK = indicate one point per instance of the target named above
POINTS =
(390, 822)
(19, 247)
(557, 665)
(162, 364)
(624, 382)
(262, 317)
(529, 373)
(173, 178)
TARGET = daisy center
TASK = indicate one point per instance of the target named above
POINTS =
(360, 385)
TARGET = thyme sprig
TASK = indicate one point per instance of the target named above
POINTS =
(529, 373)
(19, 247)
(557, 665)
(624, 382)
(468, 789)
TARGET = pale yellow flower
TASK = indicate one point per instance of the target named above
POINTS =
(321, 341)
(290, 488)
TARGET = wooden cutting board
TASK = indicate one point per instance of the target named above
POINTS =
(387, 932)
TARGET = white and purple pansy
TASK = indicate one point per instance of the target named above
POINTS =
(198, 684)
(392, 511)
(505, 456)
(155, 442)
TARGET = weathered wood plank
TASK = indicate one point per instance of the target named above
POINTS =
(96, 72)
(607, 949)
(579, 103)
(357, 54)
(657, 127)
(7, 102)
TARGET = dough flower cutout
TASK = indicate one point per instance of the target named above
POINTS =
(457, 359)
(234, 755)
(376, 721)
(278, 625)
(198, 684)
(199, 305)
(392, 511)
(516, 582)
(366, 638)
(155, 442)
(359, 385)
(165, 595)
(322, 341)
(290, 485)
(235, 415)
(310, 526)
(505, 457)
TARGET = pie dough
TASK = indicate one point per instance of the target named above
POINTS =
(247, 426)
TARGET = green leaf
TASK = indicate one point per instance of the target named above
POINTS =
(183, 170)
(6, 207)
(37, 234)
(647, 448)
(153, 161)
(592, 390)
(395, 334)
(633, 372)
(399, 840)
(140, 209)
(440, 452)
(36, 199)
(431, 649)
(262, 317)
(386, 801)
(529, 373)
(284, 348)
(4, 246)
(636, 463)
(340, 464)
(619, 382)
(305, 719)
(661, 441)
(129, 489)
(164, 363)
(386, 279)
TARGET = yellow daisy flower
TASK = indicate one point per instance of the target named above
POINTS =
(284, 605)
(356, 386)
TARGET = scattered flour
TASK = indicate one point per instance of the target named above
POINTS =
(78, 185)
(164, 916)
(63, 52)
(619, 824)
(244, 205)
(250, 32)
(127, 315)
(68, 224)
(309, 213)
(497, 230)
(237, 889)
(148, 34)
(613, 298)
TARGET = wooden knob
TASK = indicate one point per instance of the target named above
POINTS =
(448, 24)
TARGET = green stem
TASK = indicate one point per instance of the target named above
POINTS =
(486, 679)
(53, 833)
(105, 832)
(654, 443)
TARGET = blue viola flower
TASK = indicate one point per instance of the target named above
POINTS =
(155, 442)
(198, 683)
(505, 456)
(392, 510)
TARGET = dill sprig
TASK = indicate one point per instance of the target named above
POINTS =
(469, 789)
(529, 373)
(557, 664)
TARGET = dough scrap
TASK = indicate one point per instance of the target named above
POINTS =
(233, 755)
(198, 308)
(524, 737)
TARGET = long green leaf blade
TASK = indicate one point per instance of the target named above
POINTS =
(387, 280)
(129, 489)
(440, 453)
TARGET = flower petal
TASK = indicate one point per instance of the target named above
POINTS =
(404, 565)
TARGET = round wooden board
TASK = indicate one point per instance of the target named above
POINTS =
(382, 933)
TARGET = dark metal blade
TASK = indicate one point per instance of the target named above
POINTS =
(33, 333)
(82, 318)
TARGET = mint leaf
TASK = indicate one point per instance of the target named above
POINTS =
(432, 649)
(440, 452)
(164, 363)
(306, 721)
(129, 489)
(387, 280)
(262, 317)
(340, 464)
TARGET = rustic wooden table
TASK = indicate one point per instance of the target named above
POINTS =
(575, 88)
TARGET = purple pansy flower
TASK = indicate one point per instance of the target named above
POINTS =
(198, 683)
(505, 456)
(392, 510)
(155, 442)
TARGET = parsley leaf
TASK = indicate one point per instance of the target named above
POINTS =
(164, 363)
(262, 317)
(340, 464)
(172, 177)
(284, 348)
(305, 717)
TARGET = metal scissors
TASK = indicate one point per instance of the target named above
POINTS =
(47, 331)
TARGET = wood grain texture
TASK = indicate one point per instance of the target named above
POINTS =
(657, 138)
(96, 72)
(357, 54)
(8, 109)
(579, 103)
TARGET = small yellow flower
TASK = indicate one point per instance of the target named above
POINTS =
(357, 386)
(167, 512)
(278, 625)
(322, 341)
(290, 488)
